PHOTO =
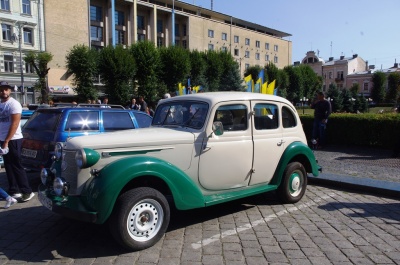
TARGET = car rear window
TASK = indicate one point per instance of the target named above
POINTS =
(45, 121)
(113, 121)
(83, 121)
(143, 120)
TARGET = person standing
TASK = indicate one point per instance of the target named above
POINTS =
(143, 104)
(11, 144)
(134, 105)
(322, 110)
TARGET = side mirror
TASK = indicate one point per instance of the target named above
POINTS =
(218, 128)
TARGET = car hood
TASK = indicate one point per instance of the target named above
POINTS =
(143, 137)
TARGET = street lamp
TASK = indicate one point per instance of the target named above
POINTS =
(20, 25)
(303, 101)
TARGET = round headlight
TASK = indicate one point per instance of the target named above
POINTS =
(58, 151)
(58, 186)
(80, 158)
(44, 175)
(86, 158)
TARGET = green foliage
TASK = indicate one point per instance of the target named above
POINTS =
(148, 65)
(335, 97)
(253, 71)
(39, 62)
(392, 95)
(310, 83)
(198, 68)
(378, 89)
(117, 68)
(230, 77)
(358, 129)
(348, 101)
(295, 87)
(271, 73)
(82, 63)
(214, 69)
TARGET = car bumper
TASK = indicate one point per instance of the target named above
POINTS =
(70, 206)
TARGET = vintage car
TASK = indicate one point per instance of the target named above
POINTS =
(201, 150)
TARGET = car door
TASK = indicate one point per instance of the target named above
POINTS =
(268, 141)
(226, 160)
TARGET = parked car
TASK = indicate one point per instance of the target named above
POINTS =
(201, 150)
(47, 126)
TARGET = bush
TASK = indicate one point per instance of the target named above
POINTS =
(378, 130)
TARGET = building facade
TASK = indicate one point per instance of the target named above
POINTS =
(22, 27)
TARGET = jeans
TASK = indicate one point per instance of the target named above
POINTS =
(318, 132)
(3, 194)
(16, 175)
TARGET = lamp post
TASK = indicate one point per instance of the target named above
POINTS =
(20, 25)
(303, 101)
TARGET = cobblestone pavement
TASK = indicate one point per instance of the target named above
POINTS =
(328, 226)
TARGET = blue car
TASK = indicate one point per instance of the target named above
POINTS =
(47, 126)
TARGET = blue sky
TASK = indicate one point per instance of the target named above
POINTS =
(367, 28)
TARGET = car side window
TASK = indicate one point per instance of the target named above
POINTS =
(142, 119)
(82, 121)
(266, 116)
(113, 121)
(288, 118)
(233, 117)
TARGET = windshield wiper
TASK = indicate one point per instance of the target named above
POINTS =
(190, 119)
(166, 116)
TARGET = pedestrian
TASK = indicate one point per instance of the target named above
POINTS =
(11, 144)
(133, 105)
(143, 104)
(9, 200)
(322, 110)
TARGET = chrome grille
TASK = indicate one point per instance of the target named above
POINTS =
(70, 174)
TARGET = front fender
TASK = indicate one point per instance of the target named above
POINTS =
(295, 150)
(104, 189)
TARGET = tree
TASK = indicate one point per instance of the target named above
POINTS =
(348, 101)
(175, 66)
(198, 68)
(117, 68)
(254, 71)
(295, 89)
(82, 63)
(335, 97)
(310, 81)
(394, 88)
(39, 62)
(230, 77)
(378, 89)
(147, 58)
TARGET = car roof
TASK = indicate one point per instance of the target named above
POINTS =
(215, 97)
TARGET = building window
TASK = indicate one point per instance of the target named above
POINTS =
(257, 56)
(96, 13)
(246, 66)
(257, 43)
(366, 86)
(247, 54)
(177, 43)
(160, 26)
(29, 68)
(8, 63)
(224, 36)
(26, 7)
(28, 36)
(5, 4)
(119, 18)
(267, 46)
(330, 75)
(141, 37)
(267, 58)
(184, 30)
(184, 44)
(247, 41)
(340, 75)
(236, 39)
(96, 33)
(210, 47)
(224, 49)
(160, 42)
(211, 33)
(177, 30)
(275, 48)
(119, 37)
(275, 59)
(140, 22)
(236, 52)
(6, 30)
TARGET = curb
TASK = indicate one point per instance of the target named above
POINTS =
(386, 188)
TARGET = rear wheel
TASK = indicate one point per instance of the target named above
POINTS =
(294, 183)
(140, 218)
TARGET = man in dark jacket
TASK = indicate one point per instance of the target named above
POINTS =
(322, 110)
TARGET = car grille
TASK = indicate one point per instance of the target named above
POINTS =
(70, 174)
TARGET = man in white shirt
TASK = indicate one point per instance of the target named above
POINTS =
(11, 144)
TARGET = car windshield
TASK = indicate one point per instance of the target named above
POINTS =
(181, 113)
(45, 121)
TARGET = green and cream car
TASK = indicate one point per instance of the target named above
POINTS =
(201, 150)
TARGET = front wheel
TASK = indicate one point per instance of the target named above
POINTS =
(140, 218)
(294, 183)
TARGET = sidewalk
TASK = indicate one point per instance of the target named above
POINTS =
(362, 168)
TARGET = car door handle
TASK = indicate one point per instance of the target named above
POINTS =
(280, 143)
